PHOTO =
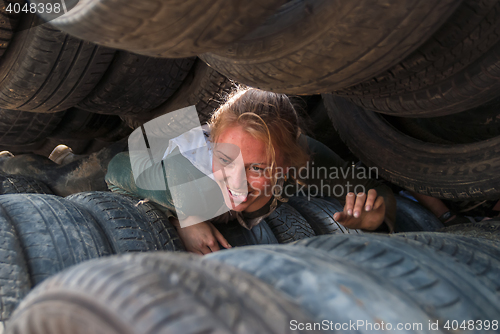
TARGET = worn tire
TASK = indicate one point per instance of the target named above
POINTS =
(128, 228)
(315, 46)
(329, 289)
(81, 124)
(453, 71)
(288, 224)
(23, 128)
(413, 217)
(54, 234)
(319, 214)
(162, 293)
(443, 288)
(45, 70)
(136, 84)
(14, 273)
(488, 229)
(18, 184)
(170, 29)
(203, 87)
(238, 236)
(443, 171)
(8, 24)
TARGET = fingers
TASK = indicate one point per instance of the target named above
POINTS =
(221, 239)
(358, 205)
(340, 216)
(349, 203)
(370, 200)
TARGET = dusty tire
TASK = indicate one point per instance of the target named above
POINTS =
(413, 217)
(238, 236)
(128, 228)
(314, 46)
(54, 234)
(443, 171)
(23, 128)
(488, 229)
(81, 124)
(453, 71)
(170, 29)
(443, 288)
(66, 68)
(14, 273)
(18, 184)
(329, 289)
(8, 24)
(319, 214)
(288, 224)
(136, 84)
(203, 87)
(163, 292)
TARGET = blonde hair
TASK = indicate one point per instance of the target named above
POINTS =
(267, 116)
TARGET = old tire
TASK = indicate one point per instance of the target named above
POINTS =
(443, 288)
(455, 70)
(18, 184)
(23, 128)
(14, 275)
(413, 217)
(46, 70)
(170, 29)
(319, 214)
(128, 228)
(288, 224)
(54, 234)
(315, 46)
(464, 171)
(8, 24)
(329, 289)
(238, 236)
(136, 84)
(162, 292)
(488, 229)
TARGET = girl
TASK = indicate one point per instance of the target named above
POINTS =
(258, 158)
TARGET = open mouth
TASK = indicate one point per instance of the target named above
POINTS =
(238, 197)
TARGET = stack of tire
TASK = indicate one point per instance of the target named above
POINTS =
(410, 283)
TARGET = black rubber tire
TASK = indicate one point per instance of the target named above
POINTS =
(155, 293)
(443, 288)
(238, 236)
(488, 229)
(454, 71)
(473, 125)
(13, 270)
(288, 224)
(54, 233)
(170, 29)
(204, 88)
(8, 24)
(484, 264)
(136, 84)
(319, 214)
(316, 46)
(329, 289)
(22, 127)
(80, 124)
(413, 217)
(45, 70)
(128, 228)
(444, 171)
(18, 184)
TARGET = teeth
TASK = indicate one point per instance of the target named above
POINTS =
(236, 194)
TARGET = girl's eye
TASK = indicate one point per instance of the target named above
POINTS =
(224, 161)
(257, 169)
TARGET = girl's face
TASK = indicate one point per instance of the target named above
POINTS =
(241, 170)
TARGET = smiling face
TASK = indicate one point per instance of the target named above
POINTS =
(241, 170)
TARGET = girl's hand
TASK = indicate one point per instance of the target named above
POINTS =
(362, 211)
(202, 238)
